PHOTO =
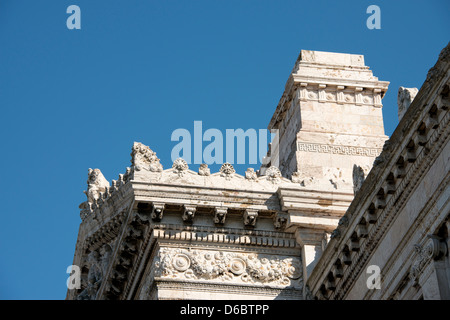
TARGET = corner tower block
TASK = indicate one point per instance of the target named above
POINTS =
(329, 119)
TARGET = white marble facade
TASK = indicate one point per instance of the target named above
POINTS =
(291, 232)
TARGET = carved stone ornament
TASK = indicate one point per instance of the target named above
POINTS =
(296, 178)
(358, 178)
(404, 99)
(189, 213)
(143, 158)
(232, 267)
(97, 189)
(203, 170)
(157, 211)
(96, 184)
(220, 215)
(97, 263)
(250, 217)
(280, 220)
(273, 174)
(250, 174)
(227, 171)
(180, 166)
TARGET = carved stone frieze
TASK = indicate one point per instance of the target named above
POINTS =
(227, 267)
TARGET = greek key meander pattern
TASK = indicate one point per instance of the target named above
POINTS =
(343, 150)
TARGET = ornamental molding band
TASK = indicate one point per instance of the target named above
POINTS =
(251, 238)
(227, 171)
(336, 149)
(228, 267)
(336, 93)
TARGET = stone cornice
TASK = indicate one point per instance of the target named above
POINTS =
(229, 236)
(313, 209)
(233, 197)
(327, 82)
(349, 84)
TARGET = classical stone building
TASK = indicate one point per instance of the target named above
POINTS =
(349, 213)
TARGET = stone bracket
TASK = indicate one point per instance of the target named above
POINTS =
(250, 217)
(280, 220)
(220, 215)
(157, 211)
(188, 213)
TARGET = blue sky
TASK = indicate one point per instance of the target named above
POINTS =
(136, 71)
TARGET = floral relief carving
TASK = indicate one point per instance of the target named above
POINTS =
(273, 174)
(227, 170)
(180, 166)
(233, 267)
